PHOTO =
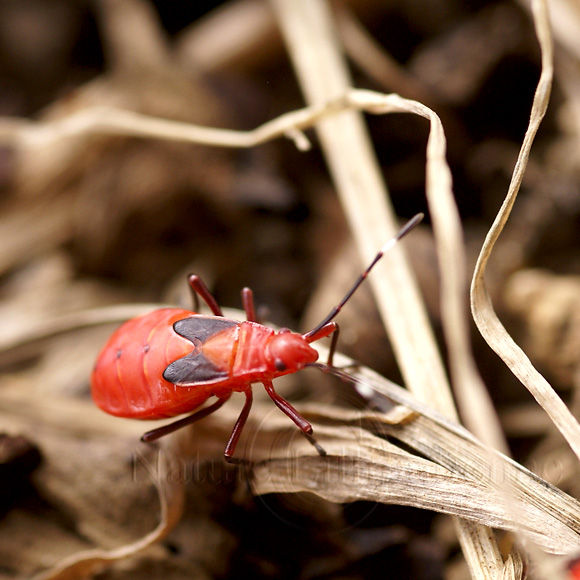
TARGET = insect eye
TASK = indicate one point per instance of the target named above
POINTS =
(279, 364)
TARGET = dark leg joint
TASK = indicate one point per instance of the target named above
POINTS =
(316, 445)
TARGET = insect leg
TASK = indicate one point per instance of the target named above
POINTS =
(194, 298)
(326, 330)
(198, 286)
(333, 343)
(248, 303)
(289, 410)
(238, 427)
(155, 434)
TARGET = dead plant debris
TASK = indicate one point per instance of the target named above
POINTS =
(141, 141)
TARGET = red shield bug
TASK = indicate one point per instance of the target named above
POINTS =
(170, 361)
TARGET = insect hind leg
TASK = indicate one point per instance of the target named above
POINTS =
(155, 434)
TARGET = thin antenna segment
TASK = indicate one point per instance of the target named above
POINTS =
(388, 245)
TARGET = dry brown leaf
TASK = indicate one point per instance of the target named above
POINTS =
(449, 471)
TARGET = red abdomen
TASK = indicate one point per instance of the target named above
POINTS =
(127, 380)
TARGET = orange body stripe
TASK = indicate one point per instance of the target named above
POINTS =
(220, 349)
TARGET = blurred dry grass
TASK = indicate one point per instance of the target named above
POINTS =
(94, 219)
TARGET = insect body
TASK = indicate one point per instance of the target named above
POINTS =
(128, 378)
(170, 361)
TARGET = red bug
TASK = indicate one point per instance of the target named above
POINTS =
(170, 361)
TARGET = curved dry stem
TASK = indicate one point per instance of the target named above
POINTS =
(475, 404)
(484, 315)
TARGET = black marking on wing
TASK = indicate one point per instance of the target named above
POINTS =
(200, 328)
(193, 369)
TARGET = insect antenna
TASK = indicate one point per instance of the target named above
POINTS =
(333, 313)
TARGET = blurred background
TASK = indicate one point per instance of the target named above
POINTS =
(94, 221)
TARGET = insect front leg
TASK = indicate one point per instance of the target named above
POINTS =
(323, 332)
(200, 289)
